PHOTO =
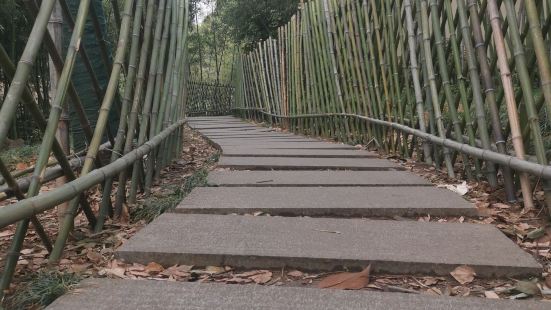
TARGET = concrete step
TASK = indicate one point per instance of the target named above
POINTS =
(283, 145)
(310, 153)
(301, 163)
(225, 126)
(320, 244)
(315, 178)
(327, 201)
(105, 294)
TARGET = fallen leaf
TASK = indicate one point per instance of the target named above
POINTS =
(491, 295)
(347, 280)
(215, 269)
(460, 189)
(94, 257)
(527, 287)
(295, 274)
(262, 278)
(117, 272)
(153, 268)
(6, 233)
(26, 251)
(463, 274)
(501, 206)
(78, 268)
(548, 281)
(21, 166)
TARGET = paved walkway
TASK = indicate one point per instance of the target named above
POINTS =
(319, 195)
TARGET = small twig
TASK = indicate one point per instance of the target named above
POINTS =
(392, 288)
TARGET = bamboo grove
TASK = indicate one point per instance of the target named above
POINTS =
(149, 72)
(463, 85)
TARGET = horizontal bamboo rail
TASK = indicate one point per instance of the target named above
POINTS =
(458, 84)
(153, 107)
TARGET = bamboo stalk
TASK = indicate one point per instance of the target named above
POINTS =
(516, 132)
(415, 75)
(528, 96)
(136, 102)
(100, 127)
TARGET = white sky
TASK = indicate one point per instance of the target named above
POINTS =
(204, 10)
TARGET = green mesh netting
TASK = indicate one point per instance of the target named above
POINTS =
(81, 78)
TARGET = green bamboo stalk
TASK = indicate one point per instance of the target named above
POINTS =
(159, 81)
(415, 74)
(49, 134)
(507, 82)
(432, 83)
(333, 62)
(148, 102)
(489, 91)
(24, 68)
(476, 90)
(527, 91)
(12, 183)
(123, 121)
(100, 127)
(133, 119)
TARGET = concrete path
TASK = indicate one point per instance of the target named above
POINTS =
(146, 295)
(279, 200)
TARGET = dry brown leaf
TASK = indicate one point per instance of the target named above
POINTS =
(548, 281)
(463, 274)
(295, 274)
(125, 215)
(78, 268)
(6, 233)
(21, 166)
(153, 268)
(491, 295)
(176, 271)
(347, 280)
(117, 271)
(215, 269)
(262, 278)
(94, 257)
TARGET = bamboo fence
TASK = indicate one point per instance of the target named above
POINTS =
(151, 78)
(463, 85)
(209, 99)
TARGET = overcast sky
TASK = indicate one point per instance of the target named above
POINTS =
(204, 10)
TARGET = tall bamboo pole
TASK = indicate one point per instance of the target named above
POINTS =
(432, 84)
(100, 126)
(415, 74)
(49, 135)
(476, 89)
(148, 102)
(522, 68)
(133, 120)
(123, 121)
(506, 80)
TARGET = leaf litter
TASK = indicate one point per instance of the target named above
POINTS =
(92, 255)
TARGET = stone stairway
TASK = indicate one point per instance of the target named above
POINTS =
(318, 195)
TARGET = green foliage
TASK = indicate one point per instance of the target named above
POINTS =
(41, 289)
(13, 156)
(252, 21)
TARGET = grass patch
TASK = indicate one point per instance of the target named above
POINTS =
(41, 289)
(24, 154)
(155, 206)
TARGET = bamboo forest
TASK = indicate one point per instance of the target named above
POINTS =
(246, 154)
